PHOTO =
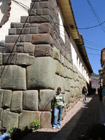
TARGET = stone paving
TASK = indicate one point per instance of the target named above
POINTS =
(75, 123)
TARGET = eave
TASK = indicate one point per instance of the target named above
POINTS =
(68, 15)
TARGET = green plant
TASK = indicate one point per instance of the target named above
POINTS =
(16, 133)
(35, 124)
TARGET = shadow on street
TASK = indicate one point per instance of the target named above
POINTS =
(87, 116)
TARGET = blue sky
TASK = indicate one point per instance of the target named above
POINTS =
(84, 18)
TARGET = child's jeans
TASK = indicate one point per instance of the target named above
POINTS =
(57, 123)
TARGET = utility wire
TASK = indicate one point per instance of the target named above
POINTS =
(93, 54)
(9, 57)
(92, 48)
(91, 27)
(25, 24)
(95, 14)
(21, 5)
(80, 28)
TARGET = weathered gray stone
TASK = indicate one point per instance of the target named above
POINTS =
(10, 120)
(42, 39)
(9, 58)
(1, 97)
(25, 38)
(12, 31)
(43, 50)
(1, 112)
(62, 59)
(0, 124)
(13, 77)
(66, 97)
(29, 48)
(0, 58)
(41, 73)
(16, 103)
(44, 4)
(11, 38)
(30, 100)
(60, 70)
(24, 19)
(7, 94)
(37, 115)
(45, 28)
(39, 19)
(34, 30)
(10, 47)
(46, 99)
(59, 83)
(56, 53)
(19, 25)
(46, 117)
(26, 117)
(23, 31)
(24, 59)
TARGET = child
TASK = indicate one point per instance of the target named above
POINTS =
(58, 106)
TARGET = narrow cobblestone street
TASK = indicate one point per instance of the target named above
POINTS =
(75, 123)
(90, 115)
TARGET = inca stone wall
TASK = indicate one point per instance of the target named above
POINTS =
(36, 62)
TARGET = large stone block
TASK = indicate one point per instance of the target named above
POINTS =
(9, 58)
(66, 97)
(1, 112)
(19, 25)
(45, 28)
(1, 97)
(16, 103)
(12, 31)
(59, 82)
(60, 70)
(13, 77)
(46, 99)
(43, 50)
(41, 74)
(23, 31)
(7, 95)
(26, 117)
(24, 59)
(34, 30)
(9, 120)
(0, 58)
(46, 120)
(10, 47)
(29, 48)
(11, 38)
(25, 38)
(39, 19)
(56, 53)
(30, 100)
(42, 39)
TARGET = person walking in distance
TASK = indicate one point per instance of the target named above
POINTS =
(58, 107)
(84, 92)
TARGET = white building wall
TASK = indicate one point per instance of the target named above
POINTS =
(78, 62)
(76, 57)
(15, 14)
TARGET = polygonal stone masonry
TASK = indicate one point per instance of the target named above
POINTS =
(16, 102)
(16, 77)
(30, 100)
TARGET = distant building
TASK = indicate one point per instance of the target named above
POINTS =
(95, 81)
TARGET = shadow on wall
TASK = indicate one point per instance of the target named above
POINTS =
(87, 116)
